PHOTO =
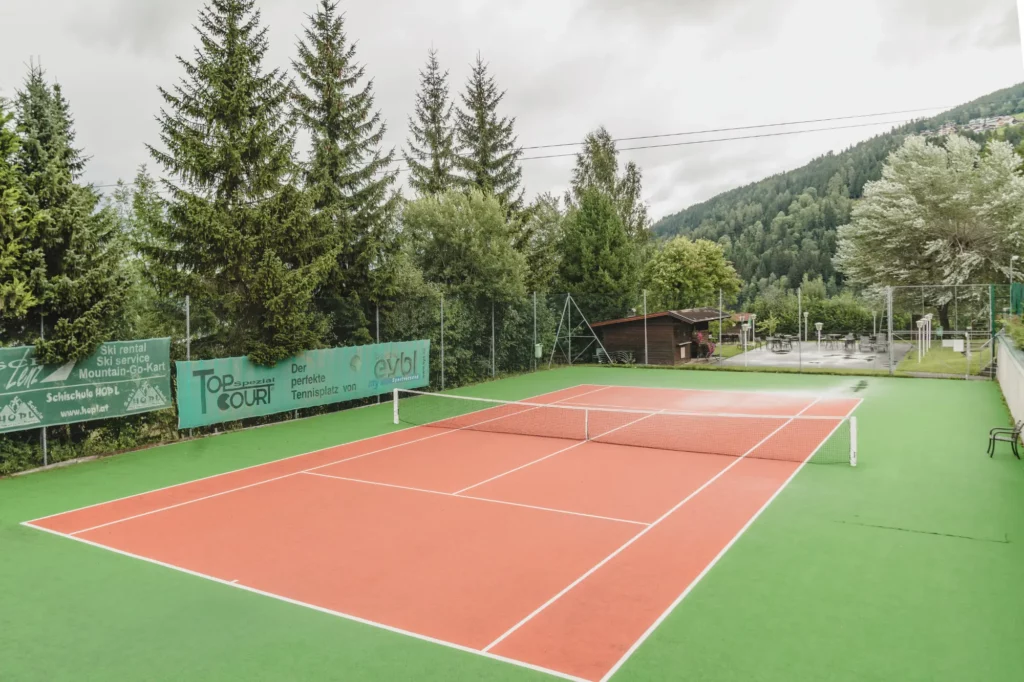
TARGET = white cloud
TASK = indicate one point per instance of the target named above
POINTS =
(638, 67)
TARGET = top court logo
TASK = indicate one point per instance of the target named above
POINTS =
(227, 394)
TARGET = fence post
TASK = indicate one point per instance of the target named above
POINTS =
(534, 331)
(492, 340)
(721, 321)
(799, 317)
(442, 342)
(188, 328)
(888, 309)
(42, 434)
(646, 358)
(188, 335)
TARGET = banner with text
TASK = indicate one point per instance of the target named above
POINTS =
(216, 391)
(120, 378)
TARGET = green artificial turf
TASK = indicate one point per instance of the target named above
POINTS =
(906, 568)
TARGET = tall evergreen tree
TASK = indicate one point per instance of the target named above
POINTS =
(431, 147)
(347, 175)
(238, 237)
(597, 166)
(598, 259)
(21, 258)
(83, 286)
(488, 151)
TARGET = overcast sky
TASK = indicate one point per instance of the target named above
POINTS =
(640, 67)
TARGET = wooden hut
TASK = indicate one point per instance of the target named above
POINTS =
(671, 335)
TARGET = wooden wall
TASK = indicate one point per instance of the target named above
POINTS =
(664, 335)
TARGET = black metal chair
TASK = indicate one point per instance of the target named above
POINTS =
(1005, 435)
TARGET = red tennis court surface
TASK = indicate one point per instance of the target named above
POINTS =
(555, 554)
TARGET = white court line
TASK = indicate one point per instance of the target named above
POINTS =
(339, 614)
(711, 564)
(283, 459)
(478, 499)
(283, 476)
(793, 393)
(574, 445)
(639, 535)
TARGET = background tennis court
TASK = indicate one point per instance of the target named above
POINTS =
(839, 573)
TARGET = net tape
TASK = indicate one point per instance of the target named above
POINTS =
(818, 439)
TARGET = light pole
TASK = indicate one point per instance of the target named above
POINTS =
(753, 327)
(819, 326)
(746, 327)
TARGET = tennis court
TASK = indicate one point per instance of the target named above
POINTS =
(625, 541)
(553, 533)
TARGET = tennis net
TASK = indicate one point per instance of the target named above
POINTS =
(820, 440)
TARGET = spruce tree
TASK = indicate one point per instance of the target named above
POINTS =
(597, 166)
(238, 237)
(431, 147)
(488, 151)
(82, 286)
(21, 257)
(347, 175)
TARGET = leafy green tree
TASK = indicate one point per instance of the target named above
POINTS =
(465, 243)
(430, 152)
(685, 274)
(597, 166)
(488, 155)
(238, 236)
(940, 215)
(598, 258)
(539, 241)
(21, 256)
(83, 285)
(347, 175)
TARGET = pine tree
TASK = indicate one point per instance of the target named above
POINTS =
(597, 166)
(488, 153)
(82, 286)
(238, 238)
(347, 175)
(21, 258)
(431, 147)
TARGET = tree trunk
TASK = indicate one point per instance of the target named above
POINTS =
(944, 316)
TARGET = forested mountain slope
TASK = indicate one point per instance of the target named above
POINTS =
(785, 225)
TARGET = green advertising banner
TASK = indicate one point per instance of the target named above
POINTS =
(216, 391)
(120, 378)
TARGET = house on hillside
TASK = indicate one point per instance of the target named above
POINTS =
(671, 335)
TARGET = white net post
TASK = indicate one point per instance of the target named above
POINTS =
(586, 424)
(395, 407)
(853, 441)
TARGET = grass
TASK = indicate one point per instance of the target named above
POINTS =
(907, 567)
(941, 360)
(729, 350)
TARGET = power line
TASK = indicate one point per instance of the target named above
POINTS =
(738, 128)
(406, 168)
(728, 139)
